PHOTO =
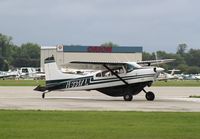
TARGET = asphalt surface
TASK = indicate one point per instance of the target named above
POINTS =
(167, 99)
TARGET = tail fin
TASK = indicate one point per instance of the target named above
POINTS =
(51, 70)
(173, 71)
(52, 75)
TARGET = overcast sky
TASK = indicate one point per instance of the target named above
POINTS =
(153, 24)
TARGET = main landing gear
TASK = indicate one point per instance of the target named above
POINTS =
(128, 97)
(149, 95)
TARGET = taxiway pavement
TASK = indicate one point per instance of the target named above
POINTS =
(167, 99)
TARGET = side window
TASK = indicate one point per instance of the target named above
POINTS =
(121, 71)
(98, 75)
(106, 73)
(24, 70)
(103, 74)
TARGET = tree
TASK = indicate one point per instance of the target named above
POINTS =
(193, 70)
(5, 43)
(109, 44)
(5, 48)
(28, 55)
(192, 57)
(183, 68)
(3, 64)
(147, 56)
(30, 50)
(181, 49)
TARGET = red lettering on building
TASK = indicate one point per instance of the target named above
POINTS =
(96, 49)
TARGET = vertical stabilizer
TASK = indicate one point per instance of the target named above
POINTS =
(51, 70)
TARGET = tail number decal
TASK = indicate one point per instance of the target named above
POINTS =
(77, 83)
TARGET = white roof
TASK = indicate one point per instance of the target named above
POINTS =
(48, 47)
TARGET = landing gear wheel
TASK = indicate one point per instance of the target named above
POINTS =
(128, 97)
(43, 95)
(150, 96)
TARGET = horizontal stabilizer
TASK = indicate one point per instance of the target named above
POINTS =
(40, 88)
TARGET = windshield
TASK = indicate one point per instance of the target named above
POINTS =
(131, 67)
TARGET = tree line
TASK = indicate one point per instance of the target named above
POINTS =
(28, 55)
(14, 56)
(187, 61)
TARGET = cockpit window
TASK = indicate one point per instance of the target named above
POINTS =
(107, 73)
(131, 67)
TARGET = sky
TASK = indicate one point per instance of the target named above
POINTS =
(154, 24)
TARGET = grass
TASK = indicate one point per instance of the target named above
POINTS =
(194, 96)
(98, 125)
(178, 83)
(21, 82)
(184, 83)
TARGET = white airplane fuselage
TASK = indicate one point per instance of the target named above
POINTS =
(75, 82)
(114, 79)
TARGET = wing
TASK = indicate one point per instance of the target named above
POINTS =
(155, 62)
(98, 63)
(93, 65)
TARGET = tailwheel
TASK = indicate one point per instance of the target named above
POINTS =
(43, 95)
(150, 96)
(128, 97)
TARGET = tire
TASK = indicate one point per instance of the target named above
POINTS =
(150, 96)
(128, 97)
(43, 95)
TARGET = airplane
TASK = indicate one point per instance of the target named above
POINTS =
(31, 73)
(166, 76)
(118, 79)
(191, 77)
(197, 77)
(9, 74)
(3, 75)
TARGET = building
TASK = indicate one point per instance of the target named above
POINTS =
(66, 53)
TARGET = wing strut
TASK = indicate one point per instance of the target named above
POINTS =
(125, 82)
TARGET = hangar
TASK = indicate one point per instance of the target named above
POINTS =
(66, 53)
